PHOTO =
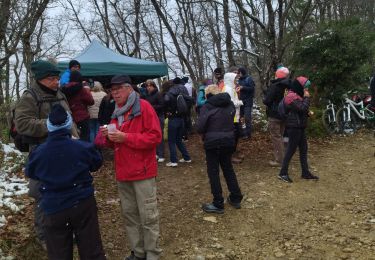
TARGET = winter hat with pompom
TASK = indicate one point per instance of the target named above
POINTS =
(282, 73)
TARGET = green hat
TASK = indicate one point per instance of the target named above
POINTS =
(42, 69)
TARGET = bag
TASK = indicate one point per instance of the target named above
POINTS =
(182, 106)
(281, 109)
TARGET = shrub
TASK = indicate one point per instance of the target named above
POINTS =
(315, 127)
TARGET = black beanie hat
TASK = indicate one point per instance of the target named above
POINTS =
(43, 69)
(178, 81)
(58, 115)
(218, 71)
(73, 63)
(242, 70)
(75, 76)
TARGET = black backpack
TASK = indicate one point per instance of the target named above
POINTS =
(182, 106)
(281, 109)
(22, 142)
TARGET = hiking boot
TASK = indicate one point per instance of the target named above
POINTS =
(184, 161)
(285, 178)
(236, 160)
(211, 208)
(236, 205)
(133, 257)
(273, 164)
(171, 164)
(310, 177)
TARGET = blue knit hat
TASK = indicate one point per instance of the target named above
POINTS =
(58, 119)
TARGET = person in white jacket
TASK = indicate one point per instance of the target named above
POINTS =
(97, 93)
(229, 87)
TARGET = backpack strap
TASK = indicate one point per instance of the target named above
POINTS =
(40, 101)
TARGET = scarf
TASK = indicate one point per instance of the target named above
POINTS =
(132, 102)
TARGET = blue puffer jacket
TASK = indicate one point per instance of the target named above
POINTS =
(65, 77)
(63, 166)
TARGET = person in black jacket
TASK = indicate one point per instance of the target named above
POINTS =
(297, 103)
(215, 123)
(106, 108)
(175, 123)
(276, 125)
(156, 99)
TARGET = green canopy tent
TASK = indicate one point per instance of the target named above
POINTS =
(101, 63)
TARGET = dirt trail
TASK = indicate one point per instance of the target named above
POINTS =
(333, 218)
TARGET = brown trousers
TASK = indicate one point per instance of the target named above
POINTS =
(139, 208)
(276, 128)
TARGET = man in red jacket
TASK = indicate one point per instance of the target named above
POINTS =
(134, 138)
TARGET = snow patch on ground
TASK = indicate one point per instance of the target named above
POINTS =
(11, 186)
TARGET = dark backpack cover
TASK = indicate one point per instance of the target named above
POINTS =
(182, 106)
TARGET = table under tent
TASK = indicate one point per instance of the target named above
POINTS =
(101, 64)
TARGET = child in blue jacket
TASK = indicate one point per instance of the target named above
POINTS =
(64, 166)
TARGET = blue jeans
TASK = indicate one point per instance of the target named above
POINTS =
(94, 128)
(160, 147)
(247, 110)
(175, 132)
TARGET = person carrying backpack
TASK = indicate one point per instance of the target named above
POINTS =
(276, 124)
(174, 99)
(297, 103)
(31, 114)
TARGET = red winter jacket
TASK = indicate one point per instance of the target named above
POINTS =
(135, 157)
(79, 102)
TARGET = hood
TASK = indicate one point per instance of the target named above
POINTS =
(283, 83)
(220, 100)
(296, 87)
(229, 79)
(291, 96)
(243, 72)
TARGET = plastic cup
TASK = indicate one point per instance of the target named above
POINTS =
(111, 128)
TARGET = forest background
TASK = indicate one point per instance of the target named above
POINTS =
(330, 41)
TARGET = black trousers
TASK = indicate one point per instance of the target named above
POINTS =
(222, 156)
(297, 138)
(80, 220)
(237, 134)
(84, 130)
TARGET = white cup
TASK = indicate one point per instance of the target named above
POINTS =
(111, 128)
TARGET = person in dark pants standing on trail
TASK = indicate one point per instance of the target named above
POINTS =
(215, 123)
(297, 103)
(63, 166)
(246, 91)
